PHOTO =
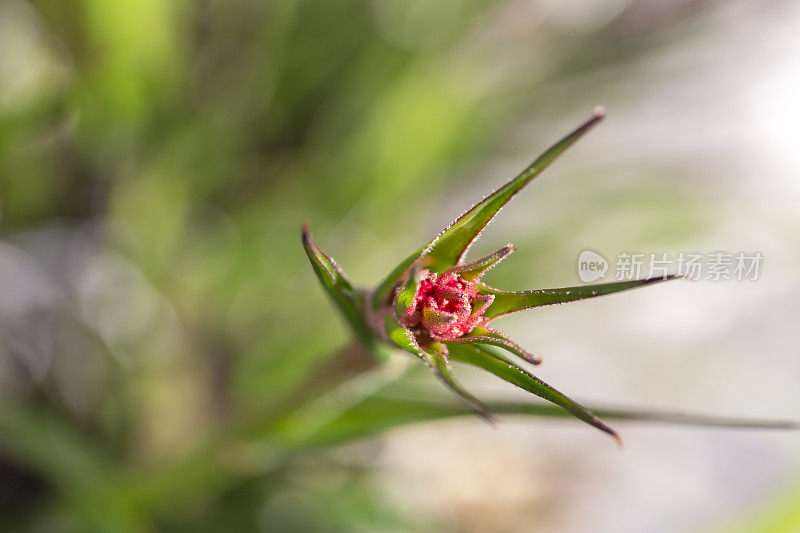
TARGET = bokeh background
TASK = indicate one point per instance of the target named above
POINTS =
(156, 161)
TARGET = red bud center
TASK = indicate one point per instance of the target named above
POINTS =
(445, 306)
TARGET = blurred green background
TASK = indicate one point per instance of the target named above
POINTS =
(158, 156)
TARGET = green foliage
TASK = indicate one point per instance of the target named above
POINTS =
(443, 255)
(165, 354)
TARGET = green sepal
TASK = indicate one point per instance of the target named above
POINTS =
(510, 302)
(473, 270)
(399, 336)
(434, 356)
(348, 299)
(504, 368)
(438, 364)
(481, 335)
(383, 291)
(406, 293)
(447, 248)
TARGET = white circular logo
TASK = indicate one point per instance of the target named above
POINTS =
(591, 266)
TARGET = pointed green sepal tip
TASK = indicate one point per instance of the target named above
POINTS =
(347, 299)
(474, 270)
(449, 246)
(507, 370)
(510, 302)
(434, 355)
(484, 335)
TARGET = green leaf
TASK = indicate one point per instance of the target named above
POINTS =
(382, 412)
(436, 360)
(480, 335)
(447, 248)
(507, 370)
(349, 300)
(510, 302)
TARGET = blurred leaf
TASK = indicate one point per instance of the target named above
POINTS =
(780, 514)
(383, 412)
(81, 472)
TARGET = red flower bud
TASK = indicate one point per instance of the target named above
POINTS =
(445, 306)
